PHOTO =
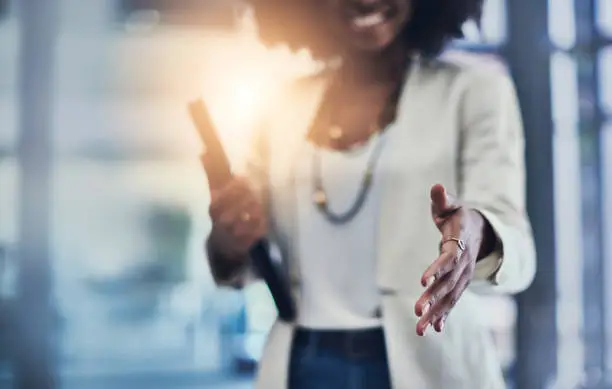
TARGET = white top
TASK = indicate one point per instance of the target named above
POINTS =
(337, 262)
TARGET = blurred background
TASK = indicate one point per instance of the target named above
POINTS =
(103, 205)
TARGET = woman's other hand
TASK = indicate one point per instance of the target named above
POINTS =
(237, 216)
(464, 234)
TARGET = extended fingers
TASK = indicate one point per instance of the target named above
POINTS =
(443, 265)
(451, 253)
(429, 301)
(439, 322)
(441, 296)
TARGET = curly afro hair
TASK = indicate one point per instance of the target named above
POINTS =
(432, 25)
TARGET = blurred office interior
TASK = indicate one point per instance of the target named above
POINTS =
(103, 205)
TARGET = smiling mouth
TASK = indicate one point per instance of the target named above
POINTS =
(362, 17)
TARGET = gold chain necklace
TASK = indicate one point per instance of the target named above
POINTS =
(336, 133)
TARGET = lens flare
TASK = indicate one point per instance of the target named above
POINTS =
(242, 78)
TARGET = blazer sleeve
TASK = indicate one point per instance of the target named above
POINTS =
(492, 179)
(254, 167)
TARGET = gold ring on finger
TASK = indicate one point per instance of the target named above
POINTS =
(460, 243)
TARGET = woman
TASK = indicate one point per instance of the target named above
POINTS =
(352, 175)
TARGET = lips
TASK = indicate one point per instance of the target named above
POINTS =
(363, 16)
(369, 20)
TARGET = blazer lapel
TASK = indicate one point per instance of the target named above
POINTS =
(398, 190)
(289, 138)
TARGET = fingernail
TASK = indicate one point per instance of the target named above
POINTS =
(442, 322)
(424, 330)
(430, 281)
(425, 308)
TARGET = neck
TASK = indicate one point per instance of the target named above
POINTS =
(379, 68)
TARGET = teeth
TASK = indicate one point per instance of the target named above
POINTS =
(369, 20)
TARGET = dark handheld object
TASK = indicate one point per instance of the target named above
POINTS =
(219, 172)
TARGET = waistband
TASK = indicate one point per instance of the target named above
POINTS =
(351, 344)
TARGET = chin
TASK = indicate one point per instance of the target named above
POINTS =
(374, 42)
(373, 47)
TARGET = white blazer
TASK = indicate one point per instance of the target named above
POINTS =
(458, 124)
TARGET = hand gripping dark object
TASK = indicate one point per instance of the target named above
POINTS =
(219, 172)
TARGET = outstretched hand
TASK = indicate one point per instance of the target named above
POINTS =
(449, 275)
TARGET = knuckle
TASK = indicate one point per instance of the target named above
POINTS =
(227, 221)
(243, 185)
(450, 257)
(242, 241)
(455, 279)
(214, 205)
(236, 181)
(215, 195)
(237, 231)
(240, 230)
(456, 259)
(439, 292)
(257, 208)
(448, 288)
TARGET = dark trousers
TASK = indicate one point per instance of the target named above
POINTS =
(339, 360)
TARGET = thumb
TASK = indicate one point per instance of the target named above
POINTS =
(207, 164)
(441, 202)
(216, 179)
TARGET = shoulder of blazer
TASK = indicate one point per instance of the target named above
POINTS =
(453, 65)
(459, 70)
(461, 61)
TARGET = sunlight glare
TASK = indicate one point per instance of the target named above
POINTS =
(241, 78)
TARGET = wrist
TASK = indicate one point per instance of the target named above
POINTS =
(488, 238)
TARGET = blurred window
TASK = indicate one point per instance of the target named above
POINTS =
(493, 26)
(210, 13)
(605, 79)
(8, 113)
(564, 93)
(604, 17)
(8, 212)
(568, 217)
(8, 75)
(571, 148)
(562, 23)
(607, 185)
